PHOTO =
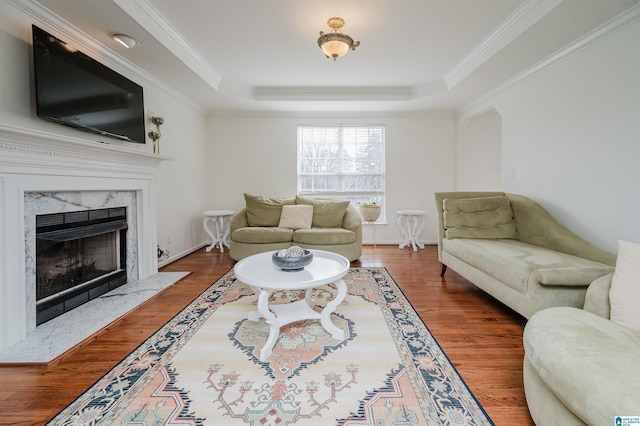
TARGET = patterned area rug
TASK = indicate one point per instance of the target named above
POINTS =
(203, 367)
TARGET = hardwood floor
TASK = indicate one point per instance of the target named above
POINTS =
(482, 337)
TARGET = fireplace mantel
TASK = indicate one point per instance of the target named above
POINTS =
(34, 161)
(25, 145)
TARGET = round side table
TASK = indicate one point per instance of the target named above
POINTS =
(220, 217)
(411, 224)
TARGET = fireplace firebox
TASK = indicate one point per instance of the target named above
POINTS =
(80, 255)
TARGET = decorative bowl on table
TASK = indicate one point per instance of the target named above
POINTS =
(292, 259)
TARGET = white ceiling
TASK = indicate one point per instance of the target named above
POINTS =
(262, 55)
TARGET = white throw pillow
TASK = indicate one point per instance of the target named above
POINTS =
(296, 217)
(625, 286)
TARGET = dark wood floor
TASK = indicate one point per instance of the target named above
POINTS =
(482, 338)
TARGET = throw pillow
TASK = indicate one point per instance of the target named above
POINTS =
(625, 286)
(326, 213)
(296, 217)
(484, 217)
(264, 211)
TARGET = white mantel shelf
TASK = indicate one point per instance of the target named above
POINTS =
(20, 140)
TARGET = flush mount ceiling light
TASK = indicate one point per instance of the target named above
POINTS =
(125, 40)
(336, 44)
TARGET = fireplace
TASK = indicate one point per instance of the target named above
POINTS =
(80, 255)
(43, 173)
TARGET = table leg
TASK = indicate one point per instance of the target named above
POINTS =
(214, 240)
(227, 230)
(308, 297)
(418, 232)
(219, 227)
(325, 317)
(412, 230)
(405, 227)
(270, 318)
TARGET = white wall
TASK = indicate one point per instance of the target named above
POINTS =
(479, 153)
(182, 182)
(572, 133)
(257, 154)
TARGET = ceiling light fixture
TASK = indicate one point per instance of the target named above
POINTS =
(125, 40)
(335, 44)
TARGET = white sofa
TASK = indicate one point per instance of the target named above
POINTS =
(512, 248)
(580, 368)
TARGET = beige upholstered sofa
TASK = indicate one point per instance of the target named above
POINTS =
(512, 248)
(261, 226)
(581, 368)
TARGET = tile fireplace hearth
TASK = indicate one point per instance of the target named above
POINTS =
(55, 337)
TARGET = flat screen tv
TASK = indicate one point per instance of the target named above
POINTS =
(78, 91)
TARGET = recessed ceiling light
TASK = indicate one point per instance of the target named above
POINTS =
(125, 40)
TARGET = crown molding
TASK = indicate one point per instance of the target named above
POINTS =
(145, 14)
(518, 22)
(332, 93)
(83, 42)
(629, 17)
(429, 88)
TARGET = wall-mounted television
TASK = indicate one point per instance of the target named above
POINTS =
(78, 91)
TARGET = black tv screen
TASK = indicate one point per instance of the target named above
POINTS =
(78, 91)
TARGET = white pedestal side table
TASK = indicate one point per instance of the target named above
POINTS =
(259, 273)
(220, 217)
(411, 224)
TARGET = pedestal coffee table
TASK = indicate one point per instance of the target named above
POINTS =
(259, 273)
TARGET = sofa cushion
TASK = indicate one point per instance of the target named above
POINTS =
(296, 217)
(588, 362)
(326, 213)
(485, 217)
(513, 262)
(264, 211)
(324, 236)
(625, 286)
(262, 235)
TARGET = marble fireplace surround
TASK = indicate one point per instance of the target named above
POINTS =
(37, 203)
(42, 173)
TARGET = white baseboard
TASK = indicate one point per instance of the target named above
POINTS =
(182, 254)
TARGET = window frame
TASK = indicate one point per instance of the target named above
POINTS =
(377, 195)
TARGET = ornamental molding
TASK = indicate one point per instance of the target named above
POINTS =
(24, 146)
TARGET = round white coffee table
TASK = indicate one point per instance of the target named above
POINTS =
(259, 273)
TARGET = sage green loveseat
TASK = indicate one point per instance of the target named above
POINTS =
(581, 368)
(512, 248)
(336, 226)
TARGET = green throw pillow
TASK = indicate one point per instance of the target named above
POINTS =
(326, 213)
(264, 211)
(485, 217)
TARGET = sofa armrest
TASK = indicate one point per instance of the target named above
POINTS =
(535, 225)
(597, 298)
(353, 222)
(576, 276)
(239, 220)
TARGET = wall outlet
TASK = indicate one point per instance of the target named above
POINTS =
(168, 239)
(513, 173)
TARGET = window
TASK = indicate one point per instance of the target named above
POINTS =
(342, 162)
